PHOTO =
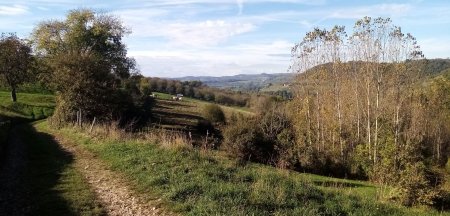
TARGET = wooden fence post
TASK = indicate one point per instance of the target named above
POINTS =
(92, 125)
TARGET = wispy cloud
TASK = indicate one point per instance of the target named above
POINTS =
(244, 58)
(183, 32)
(209, 32)
(13, 10)
(391, 10)
(240, 4)
(205, 37)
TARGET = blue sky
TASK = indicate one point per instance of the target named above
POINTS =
(173, 38)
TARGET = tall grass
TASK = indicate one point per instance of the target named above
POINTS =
(161, 164)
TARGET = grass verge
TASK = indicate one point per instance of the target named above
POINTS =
(195, 182)
(56, 187)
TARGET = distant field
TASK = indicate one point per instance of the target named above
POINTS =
(28, 106)
(186, 113)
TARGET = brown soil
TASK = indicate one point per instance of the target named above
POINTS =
(110, 187)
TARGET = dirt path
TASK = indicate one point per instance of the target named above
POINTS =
(109, 187)
(13, 191)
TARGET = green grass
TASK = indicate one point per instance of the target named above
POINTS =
(56, 187)
(28, 106)
(163, 96)
(195, 182)
(186, 113)
(198, 103)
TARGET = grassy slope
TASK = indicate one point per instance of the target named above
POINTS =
(195, 182)
(185, 114)
(28, 106)
(56, 187)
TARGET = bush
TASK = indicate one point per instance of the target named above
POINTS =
(267, 138)
(243, 140)
(415, 187)
(214, 113)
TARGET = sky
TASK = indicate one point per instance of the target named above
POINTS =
(175, 38)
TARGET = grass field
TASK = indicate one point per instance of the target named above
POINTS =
(28, 106)
(198, 182)
(186, 113)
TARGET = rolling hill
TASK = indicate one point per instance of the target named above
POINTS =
(243, 82)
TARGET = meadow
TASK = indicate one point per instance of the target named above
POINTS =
(193, 181)
(197, 181)
(28, 106)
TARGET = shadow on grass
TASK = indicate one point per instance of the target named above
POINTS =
(55, 187)
(338, 184)
(173, 115)
(174, 104)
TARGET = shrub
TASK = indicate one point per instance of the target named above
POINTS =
(214, 113)
(415, 187)
(242, 140)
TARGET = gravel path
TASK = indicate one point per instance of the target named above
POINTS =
(13, 164)
(110, 187)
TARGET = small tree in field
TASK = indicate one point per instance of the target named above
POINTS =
(15, 60)
(214, 113)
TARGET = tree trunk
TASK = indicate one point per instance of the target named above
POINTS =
(13, 95)
(368, 120)
(318, 122)
(375, 147)
(308, 119)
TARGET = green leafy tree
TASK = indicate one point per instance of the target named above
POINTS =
(15, 62)
(88, 62)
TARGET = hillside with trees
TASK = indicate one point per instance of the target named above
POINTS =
(361, 109)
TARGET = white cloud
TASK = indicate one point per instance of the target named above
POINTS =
(247, 58)
(391, 10)
(188, 2)
(154, 23)
(209, 32)
(13, 10)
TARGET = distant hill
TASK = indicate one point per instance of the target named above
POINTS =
(244, 82)
(279, 82)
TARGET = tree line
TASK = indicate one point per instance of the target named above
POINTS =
(194, 89)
